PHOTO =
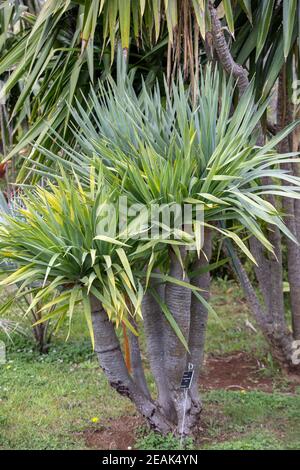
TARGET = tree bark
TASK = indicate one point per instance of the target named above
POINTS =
(178, 300)
(136, 362)
(284, 117)
(198, 324)
(275, 332)
(111, 360)
(223, 52)
(272, 318)
(154, 326)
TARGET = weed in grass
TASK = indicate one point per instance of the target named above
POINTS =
(154, 441)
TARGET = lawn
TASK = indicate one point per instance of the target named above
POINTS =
(62, 400)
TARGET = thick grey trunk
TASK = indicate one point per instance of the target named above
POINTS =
(274, 262)
(112, 363)
(136, 362)
(262, 271)
(154, 326)
(198, 326)
(269, 274)
(178, 300)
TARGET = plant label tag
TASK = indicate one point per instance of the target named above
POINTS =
(187, 378)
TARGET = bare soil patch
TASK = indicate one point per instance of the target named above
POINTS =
(115, 434)
(238, 371)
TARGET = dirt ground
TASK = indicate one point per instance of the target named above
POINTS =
(237, 371)
(115, 434)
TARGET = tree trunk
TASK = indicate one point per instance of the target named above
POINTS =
(136, 362)
(284, 117)
(154, 326)
(198, 324)
(223, 52)
(175, 410)
(178, 300)
(275, 332)
(40, 332)
(111, 360)
(269, 273)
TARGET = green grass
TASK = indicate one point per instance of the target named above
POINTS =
(253, 418)
(230, 333)
(47, 402)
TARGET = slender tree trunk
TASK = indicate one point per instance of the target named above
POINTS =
(178, 300)
(271, 319)
(296, 171)
(198, 324)
(154, 327)
(276, 333)
(136, 362)
(40, 332)
(284, 117)
(223, 52)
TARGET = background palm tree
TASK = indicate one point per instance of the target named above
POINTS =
(51, 52)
